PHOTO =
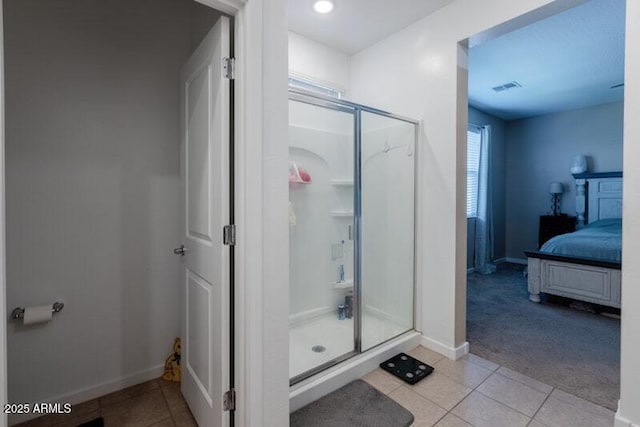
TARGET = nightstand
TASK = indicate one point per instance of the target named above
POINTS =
(553, 225)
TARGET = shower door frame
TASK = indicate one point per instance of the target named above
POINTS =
(339, 104)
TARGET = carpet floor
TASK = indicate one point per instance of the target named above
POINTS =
(574, 350)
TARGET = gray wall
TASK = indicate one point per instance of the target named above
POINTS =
(498, 144)
(92, 164)
(540, 150)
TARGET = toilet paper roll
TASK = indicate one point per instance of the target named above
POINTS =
(38, 314)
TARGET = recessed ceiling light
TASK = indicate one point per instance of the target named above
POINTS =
(323, 6)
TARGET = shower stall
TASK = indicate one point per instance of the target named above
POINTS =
(351, 229)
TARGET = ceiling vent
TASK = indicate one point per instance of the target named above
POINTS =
(507, 86)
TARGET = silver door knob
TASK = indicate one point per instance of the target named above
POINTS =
(180, 251)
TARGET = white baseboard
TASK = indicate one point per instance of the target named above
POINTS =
(94, 391)
(516, 260)
(621, 421)
(453, 353)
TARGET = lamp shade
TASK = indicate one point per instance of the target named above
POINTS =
(555, 188)
(579, 164)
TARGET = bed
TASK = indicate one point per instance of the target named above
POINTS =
(584, 265)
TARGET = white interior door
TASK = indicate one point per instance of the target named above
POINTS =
(205, 173)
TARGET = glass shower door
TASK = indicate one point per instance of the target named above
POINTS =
(387, 227)
(321, 216)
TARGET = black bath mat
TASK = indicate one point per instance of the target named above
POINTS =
(407, 368)
(98, 422)
(355, 405)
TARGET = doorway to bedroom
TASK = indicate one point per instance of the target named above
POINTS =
(544, 199)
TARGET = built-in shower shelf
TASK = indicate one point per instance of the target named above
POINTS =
(345, 284)
(342, 214)
(342, 182)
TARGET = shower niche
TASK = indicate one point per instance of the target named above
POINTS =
(351, 230)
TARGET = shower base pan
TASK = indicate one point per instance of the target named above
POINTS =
(325, 338)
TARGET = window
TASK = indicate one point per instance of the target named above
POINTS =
(474, 140)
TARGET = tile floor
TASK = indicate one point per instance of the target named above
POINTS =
(473, 391)
(155, 403)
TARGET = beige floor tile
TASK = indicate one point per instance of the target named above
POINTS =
(84, 407)
(451, 420)
(513, 394)
(422, 424)
(482, 411)
(517, 376)
(581, 404)
(75, 420)
(463, 371)
(36, 422)
(558, 413)
(129, 392)
(425, 355)
(80, 413)
(167, 422)
(426, 413)
(383, 381)
(173, 396)
(441, 390)
(164, 383)
(139, 411)
(481, 361)
(184, 419)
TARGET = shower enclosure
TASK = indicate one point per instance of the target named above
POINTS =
(351, 229)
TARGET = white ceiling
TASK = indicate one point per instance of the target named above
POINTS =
(567, 61)
(357, 24)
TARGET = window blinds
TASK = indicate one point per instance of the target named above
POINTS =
(474, 140)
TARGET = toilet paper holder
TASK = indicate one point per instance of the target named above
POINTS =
(18, 312)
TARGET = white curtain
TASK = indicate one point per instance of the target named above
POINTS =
(484, 219)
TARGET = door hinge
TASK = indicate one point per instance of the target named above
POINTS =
(229, 235)
(229, 400)
(229, 68)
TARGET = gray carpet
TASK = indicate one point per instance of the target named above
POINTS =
(355, 405)
(575, 350)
